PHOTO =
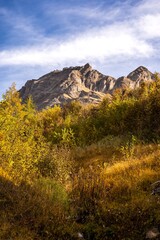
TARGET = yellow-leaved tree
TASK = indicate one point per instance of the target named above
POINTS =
(21, 140)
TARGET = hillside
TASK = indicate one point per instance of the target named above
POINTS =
(81, 171)
(80, 83)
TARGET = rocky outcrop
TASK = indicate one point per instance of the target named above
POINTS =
(134, 79)
(80, 83)
(139, 75)
(123, 82)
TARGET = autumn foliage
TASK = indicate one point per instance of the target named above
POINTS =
(80, 170)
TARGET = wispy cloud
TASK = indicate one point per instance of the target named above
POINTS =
(97, 44)
(21, 29)
(148, 7)
(86, 12)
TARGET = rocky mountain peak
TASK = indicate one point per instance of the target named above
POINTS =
(87, 66)
(82, 83)
(141, 74)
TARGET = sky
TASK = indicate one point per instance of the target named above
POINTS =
(39, 36)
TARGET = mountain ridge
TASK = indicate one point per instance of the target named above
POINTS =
(82, 83)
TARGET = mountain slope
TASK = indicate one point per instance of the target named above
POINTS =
(79, 83)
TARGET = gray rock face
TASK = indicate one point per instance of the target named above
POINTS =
(124, 82)
(80, 83)
(141, 74)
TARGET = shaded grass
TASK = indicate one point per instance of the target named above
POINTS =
(33, 212)
(107, 197)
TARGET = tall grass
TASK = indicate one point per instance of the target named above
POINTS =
(115, 202)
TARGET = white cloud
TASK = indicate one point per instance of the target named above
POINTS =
(98, 44)
(149, 25)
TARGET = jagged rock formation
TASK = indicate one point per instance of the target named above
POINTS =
(80, 83)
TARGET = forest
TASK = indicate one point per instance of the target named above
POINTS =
(80, 171)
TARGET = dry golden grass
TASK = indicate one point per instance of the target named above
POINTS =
(115, 197)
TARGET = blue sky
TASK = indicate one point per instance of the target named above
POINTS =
(38, 36)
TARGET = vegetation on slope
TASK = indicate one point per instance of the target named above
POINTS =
(80, 171)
